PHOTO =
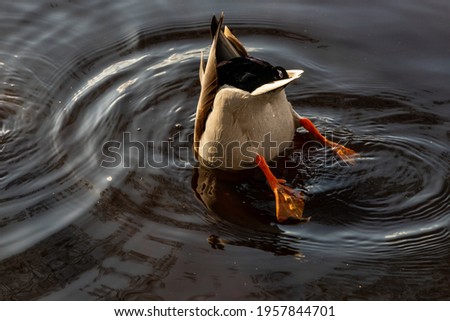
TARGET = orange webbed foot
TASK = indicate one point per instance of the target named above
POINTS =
(348, 155)
(289, 202)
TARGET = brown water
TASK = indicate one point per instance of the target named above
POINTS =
(75, 75)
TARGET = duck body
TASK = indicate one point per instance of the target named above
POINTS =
(243, 110)
(241, 126)
(244, 119)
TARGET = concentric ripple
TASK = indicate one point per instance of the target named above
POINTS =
(101, 197)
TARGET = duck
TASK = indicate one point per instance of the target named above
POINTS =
(244, 119)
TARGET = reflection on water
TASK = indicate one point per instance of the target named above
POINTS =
(76, 76)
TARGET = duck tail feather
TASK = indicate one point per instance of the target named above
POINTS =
(226, 48)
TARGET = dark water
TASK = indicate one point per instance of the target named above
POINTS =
(77, 74)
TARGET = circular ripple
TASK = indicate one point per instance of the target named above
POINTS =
(53, 136)
(122, 231)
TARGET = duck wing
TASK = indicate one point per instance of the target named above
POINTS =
(225, 46)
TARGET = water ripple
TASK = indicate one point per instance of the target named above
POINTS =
(76, 77)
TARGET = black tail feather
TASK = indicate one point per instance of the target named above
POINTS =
(225, 50)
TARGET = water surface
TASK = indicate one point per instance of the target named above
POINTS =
(75, 75)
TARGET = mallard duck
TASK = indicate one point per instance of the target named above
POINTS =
(244, 119)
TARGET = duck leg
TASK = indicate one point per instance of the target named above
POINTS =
(344, 153)
(289, 202)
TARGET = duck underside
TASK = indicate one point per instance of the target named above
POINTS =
(242, 126)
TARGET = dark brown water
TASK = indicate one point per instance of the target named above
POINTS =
(75, 75)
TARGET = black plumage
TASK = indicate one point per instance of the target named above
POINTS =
(248, 73)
